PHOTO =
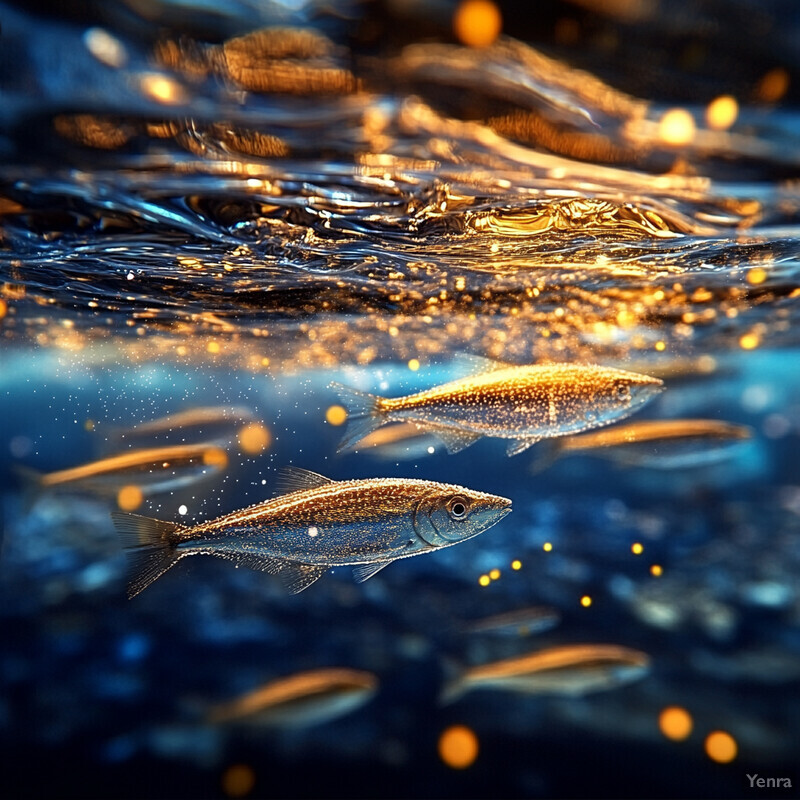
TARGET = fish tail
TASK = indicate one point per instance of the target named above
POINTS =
(150, 545)
(364, 414)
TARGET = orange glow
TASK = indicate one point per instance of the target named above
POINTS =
(721, 747)
(238, 780)
(215, 457)
(756, 275)
(254, 438)
(773, 86)
(656, 570)
(3, 308)
(458, 747)
(336, 415)
(477, 23)
(213, 347)
(162, 89)
(129, 498)
(722, 112)
(676, 127)
(749, 341)
(494, 574)
(675, 723)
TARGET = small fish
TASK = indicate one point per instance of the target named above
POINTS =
(571, 670)
(524, 404)
(659, 444)
(401, 441)
(300, 700)
(152, 470)
(320, 523)
(521, 622)
(212, 423)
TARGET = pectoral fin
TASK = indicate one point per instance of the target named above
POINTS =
(516, 446)
(453, 439)
(364, 572)
(297, 577)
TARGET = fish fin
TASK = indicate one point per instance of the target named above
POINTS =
(454, 439)
(364, 572)
(516, 446)
(364, 414)
(149, 545)
(296, 576)
(472, 364)
(274, 566)
(547, 454)
(454, 685)
(296, 479)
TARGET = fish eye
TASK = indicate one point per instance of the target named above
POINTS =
(623, 393)
(457, 507)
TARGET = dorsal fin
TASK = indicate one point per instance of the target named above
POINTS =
(296, 479)
(471, 364)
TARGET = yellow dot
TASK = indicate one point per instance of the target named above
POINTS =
(637, 548)
(336, 415)
(477, 23)
(129, 498)
(721, 747)
(722, 112)
(772, 87)
(494, 574)
(458, 747)
(676, 127)
(749, 341)
(484, 580)
(254, 438)
(516, 564)
(756, 275)
(586, 601)
(413, 364)
(162, 89)
(656, 570)
(547, 547)
(213, 347)
(265, 362)
(238, 780)
(660, 346)
(215, 457)
(675, 723)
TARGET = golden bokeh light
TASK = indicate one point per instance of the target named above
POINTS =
(162, 89)
(458, 746)
(637, 548)
(676, 127)
(586, 601)
(773, 86)
(238, 780)
(3, 308)
(484, 580)
(722, 112)
(254, 438)
(675, 723)
(336, 415)
(213, 347)
(129, 498)
(516, 564)
(749, 341)
(477, 23)
(413, 364)
(756, 275)
(656, 570)
(215, 457)
(494, 574)
(721, 747)
(105, 48)
(547, 547)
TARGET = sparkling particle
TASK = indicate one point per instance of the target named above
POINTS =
(637, 548)
(676, 127)
(722, 112)
(721, 747)
(586, 601)
(484, 580)
(431, 450)
(413, 364)
(183, 510)
(516, 564)
(494, 574)
(756, 275)
(749, 341)
(656, 570)
(547, 547)
(675, 723)
(458, 747)
(130, 276)
(313, 531)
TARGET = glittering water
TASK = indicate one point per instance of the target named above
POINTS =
(198, 213)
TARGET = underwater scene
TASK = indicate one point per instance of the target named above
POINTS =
(464, 337)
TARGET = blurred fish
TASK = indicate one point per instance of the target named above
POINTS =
(402, 440)
(658, 444)
(320, 523)
(521, 622)
(524, 404)
(572, 670)
(152, 470)
(300, 700)
(213, 423)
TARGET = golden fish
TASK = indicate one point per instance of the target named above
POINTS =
(300, 700)
(153, 470)
(320, 523)
(571, 670)
(524, 404)
(212, 422)
(660, 444)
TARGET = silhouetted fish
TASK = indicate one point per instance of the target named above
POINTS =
(319, 524)
(300, 700)
(574, 670)
(520, 622)
(524, 404)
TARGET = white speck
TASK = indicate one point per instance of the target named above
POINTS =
(263, 481)
(182, 510)
(130, 276)
(431, 449)
(313, 531)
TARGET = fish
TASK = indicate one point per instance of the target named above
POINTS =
(316, 524)
(152, 470)
(568, 670)
(522, 403)
(300, 700)
(520, 622)
(401, 440)
(212, 423)
(657, 444)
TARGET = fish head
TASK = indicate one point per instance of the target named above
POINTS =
(451, 514)
(630, 390)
